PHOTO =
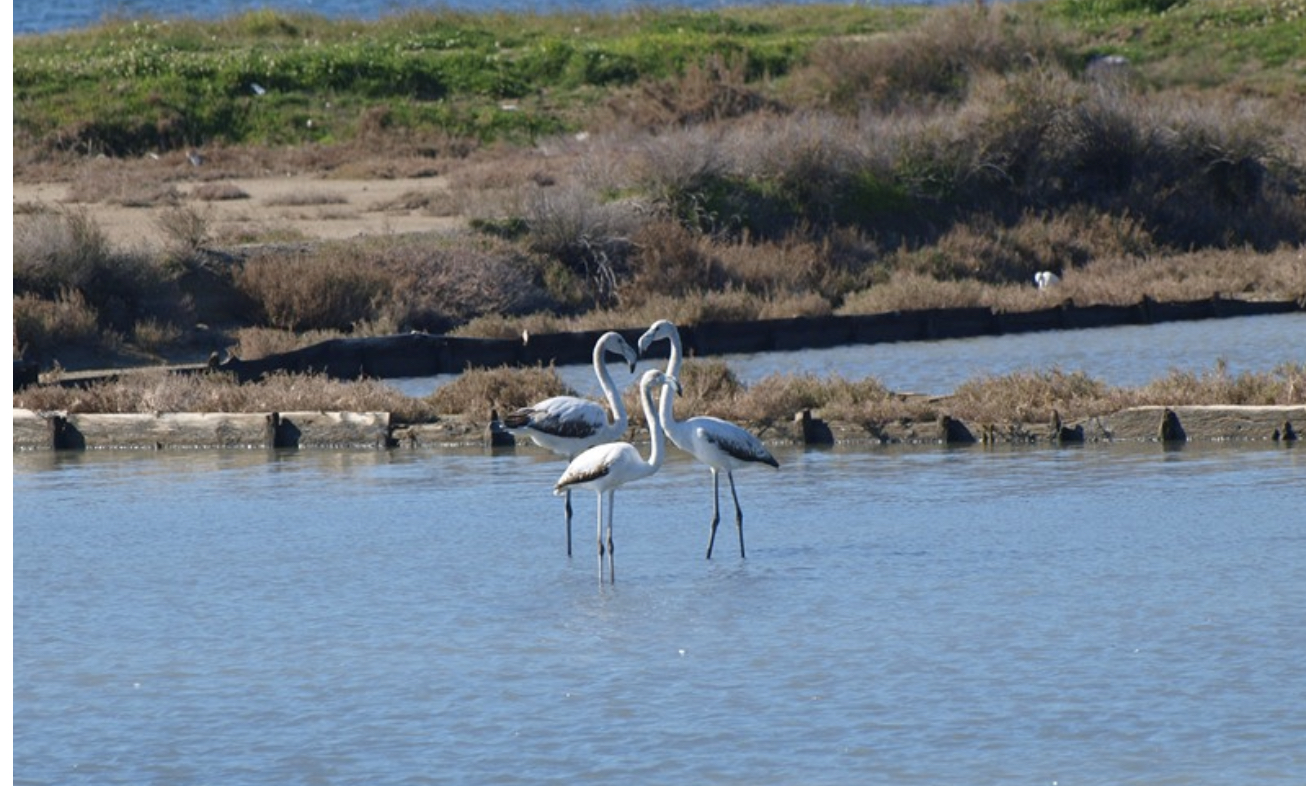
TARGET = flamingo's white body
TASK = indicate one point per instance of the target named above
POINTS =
(605, 468)
(568, 425)
(721, 445)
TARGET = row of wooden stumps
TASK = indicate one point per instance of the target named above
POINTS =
(1169, 425)
(1150, 424)
(65, 431)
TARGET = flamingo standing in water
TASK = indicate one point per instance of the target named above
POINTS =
(568, 425)
(721, 445)
(606, 468)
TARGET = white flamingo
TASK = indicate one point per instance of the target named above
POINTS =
(567, 425)
(605, 468)
(721, 445)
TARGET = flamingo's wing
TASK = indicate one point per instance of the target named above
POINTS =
(593, 464)
(562, 416)
(733, 441)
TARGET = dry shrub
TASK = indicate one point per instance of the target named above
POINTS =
(185, 229)
(407, 282)
(1285, 385)
(153, 335)
(794, 265)
(673, 168)
(987, 251)
(256, 342)
(435, 289)
(905, 291)
(708, 387)
(161, 391)
(670, 261)
(296, 291)
(592, 239)
(62, 252)
(1238, 273)
(42, 326)
(730, 305)
(715, 89)
(931, 62)
(1031, 396)
(218, 192)
(502, 326)
(478, 391)
(257, 233)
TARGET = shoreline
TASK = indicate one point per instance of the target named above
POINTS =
(1177, 425)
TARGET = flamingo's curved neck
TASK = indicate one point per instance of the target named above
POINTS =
(615, 403)
(673, 365)
(655, 455)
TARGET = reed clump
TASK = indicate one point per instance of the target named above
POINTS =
(709, 388)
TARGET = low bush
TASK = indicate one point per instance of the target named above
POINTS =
(1031, 397)
(476, 392)
(297, 291)
(57, 254)
(44, 325)
(1285, 385)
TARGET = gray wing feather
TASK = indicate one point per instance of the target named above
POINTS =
(742, 446)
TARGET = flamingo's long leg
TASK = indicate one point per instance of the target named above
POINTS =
(739, 513)
(716, 510)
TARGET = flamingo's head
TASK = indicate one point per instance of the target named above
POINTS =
(662, 329)
(614, 343)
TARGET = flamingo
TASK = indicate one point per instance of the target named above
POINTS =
(567, 425)
(605, 468)
(721, 445)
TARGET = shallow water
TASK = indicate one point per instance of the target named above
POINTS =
(1130, 355)
(1100, 614)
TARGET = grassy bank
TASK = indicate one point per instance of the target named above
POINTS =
(709, 387)
(610, 170)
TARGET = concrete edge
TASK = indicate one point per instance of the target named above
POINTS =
(375, 430)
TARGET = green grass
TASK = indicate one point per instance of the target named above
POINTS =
(128, 87)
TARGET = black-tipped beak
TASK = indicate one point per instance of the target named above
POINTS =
(675, 385)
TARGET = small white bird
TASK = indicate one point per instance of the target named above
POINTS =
(567, 425)
(1046, 279)
(606, 468)
(721, 445)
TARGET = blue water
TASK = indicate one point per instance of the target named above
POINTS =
(1126, 356)
(43, 16)
(1102, 614)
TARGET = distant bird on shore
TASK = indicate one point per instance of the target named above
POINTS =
(1046, 279)
(721, 445)
(567, 425)
(605, 468)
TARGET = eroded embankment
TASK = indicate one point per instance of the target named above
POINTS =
(375, 430)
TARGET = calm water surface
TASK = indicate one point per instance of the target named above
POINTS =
(1130, 355)
(1101, 614)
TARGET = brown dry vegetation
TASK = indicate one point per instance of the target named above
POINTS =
(940, 165)
(709, 387)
